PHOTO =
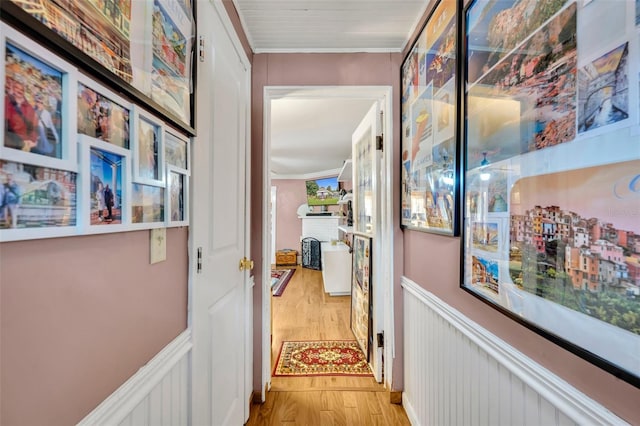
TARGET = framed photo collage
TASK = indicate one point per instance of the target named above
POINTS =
(522, 125)
(77, 158)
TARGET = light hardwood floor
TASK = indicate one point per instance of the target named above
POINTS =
(305, 312)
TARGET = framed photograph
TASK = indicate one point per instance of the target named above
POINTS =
(101, 29)
(105, 171)
(365, 174)
(37, 123)
(361, 320)
(148, 149)
(429, 166)
(551, 236)
(102, 114)
(149, 62)
(177, 201)
(147, 206)
(176, 150)
(36, 202)
(173, 30)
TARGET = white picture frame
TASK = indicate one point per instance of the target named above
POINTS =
(142, 209)
(94, 102)
(147, 147)
(95, 157)
(177, 152)
(45, 202)
(177, 197)
(49, 96)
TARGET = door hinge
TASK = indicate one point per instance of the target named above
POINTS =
(380, 337)
(380, 143)
(199, 261)
(201, 48)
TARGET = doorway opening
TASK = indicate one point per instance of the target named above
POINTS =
(382, 286)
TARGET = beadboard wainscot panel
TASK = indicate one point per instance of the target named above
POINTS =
(459, 373)
(158, 394)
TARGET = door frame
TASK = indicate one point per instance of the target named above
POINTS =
(382, 94)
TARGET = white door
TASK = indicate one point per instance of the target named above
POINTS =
(220, 292)
(367, 223)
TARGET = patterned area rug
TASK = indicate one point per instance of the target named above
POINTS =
(322, 358)
(279, 280)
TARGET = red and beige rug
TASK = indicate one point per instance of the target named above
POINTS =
(279, 280)
(322, 358)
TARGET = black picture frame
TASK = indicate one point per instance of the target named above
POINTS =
(14, 15)
(548, 236)
(430, 151)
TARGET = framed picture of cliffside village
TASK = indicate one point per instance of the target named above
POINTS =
(551, 235)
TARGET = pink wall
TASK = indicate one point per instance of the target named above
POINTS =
(290, 194)
(433, 262)
(79, 316)
(309, 69)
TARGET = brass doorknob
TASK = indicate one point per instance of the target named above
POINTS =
(245, 264)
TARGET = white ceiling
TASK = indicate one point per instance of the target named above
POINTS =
(329, 25)
(312, 137)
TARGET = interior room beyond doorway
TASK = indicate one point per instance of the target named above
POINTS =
(287, 315)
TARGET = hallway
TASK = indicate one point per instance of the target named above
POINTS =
(305, 312)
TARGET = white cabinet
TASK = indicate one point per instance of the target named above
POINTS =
(336, 269)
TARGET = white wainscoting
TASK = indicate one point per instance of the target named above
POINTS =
(158, 394)
(457, 373)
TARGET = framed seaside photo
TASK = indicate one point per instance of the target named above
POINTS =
(176, 150)
(361, 294)
(102, 114)
(36, 202)
(147, 206)
(38, 120)
(551, 236)
(173, 30)
(177, 197)
(102, 30)
(105, 172)
(429, 96)
(148, 149)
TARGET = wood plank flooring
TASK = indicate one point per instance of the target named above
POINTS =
(306, 312)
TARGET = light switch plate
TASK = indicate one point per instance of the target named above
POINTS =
(158, 245)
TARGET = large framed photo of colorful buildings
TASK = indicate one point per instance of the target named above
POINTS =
(149, 61)
(173, 30)
(429, 165)
(551, 232)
